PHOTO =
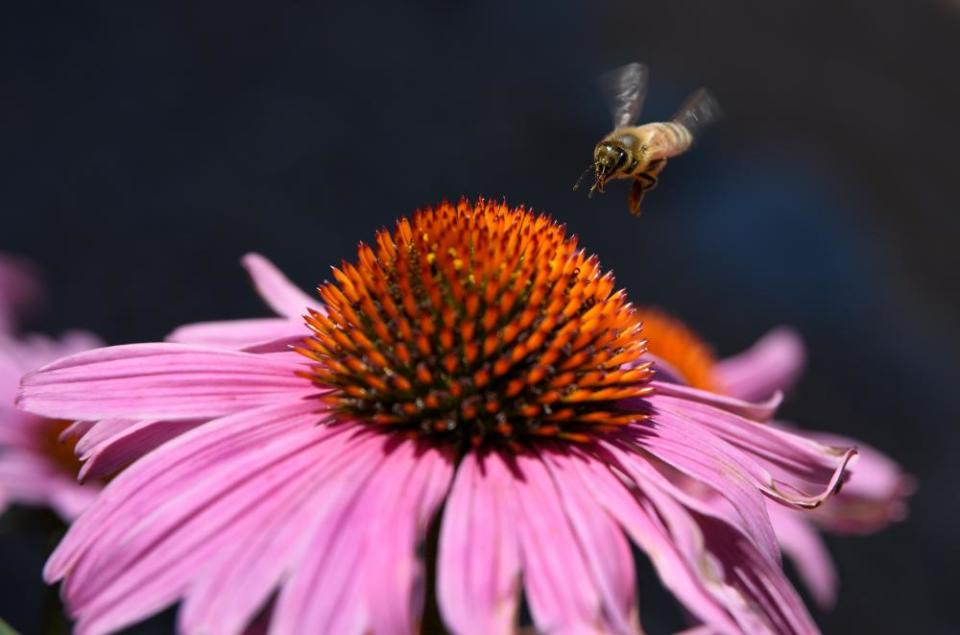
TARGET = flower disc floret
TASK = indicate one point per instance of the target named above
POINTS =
(477, 322)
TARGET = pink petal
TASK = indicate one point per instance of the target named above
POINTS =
(874, 497)
(710, 464)
(279, 293)
(18, 429)
(98, 432)
(76, 430)
(772, 364)
(230, 590)
(803, 545)
(129, 444)
(675, 557)
(172, 468)
(145, 560)
(602, 542)
(761, 411)
(393, 578)
(329, 591)
(70, 499)
(786, 467)
(478, 576)
(559, 581)
(28, 478)
(159, 381)
(240, 334)
(752, 586)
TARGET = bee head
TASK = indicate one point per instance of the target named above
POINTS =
(607, 159)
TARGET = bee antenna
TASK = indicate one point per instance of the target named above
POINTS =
(576, 185)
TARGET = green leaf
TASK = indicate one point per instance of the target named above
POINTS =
(5, 629)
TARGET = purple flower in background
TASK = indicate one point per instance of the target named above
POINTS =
(37, 466)
(873, 497)
(20, 290)
(474, 360)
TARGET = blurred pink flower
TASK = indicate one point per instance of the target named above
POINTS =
(474, 360)
(873, 497)
(37, 466)
(20, 290)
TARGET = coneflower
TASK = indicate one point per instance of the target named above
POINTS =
(475, 360)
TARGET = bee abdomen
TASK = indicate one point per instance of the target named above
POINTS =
(677, 138)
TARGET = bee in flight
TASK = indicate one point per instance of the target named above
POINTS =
(641, 152)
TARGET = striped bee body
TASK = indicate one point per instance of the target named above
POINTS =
(640, 153)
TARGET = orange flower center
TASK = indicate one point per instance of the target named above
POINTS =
(672, 341)
(477, 322)
(60, 452)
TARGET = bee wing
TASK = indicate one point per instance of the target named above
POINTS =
(624, 89)
(699, 111)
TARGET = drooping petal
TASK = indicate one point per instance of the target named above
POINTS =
(331, 590)
(393, 579)
(789, 468)
(159, 381)
(753, 587)
(171, 468)
(602, 542)
(772, 364)
(229, 591)
(479, 554)
(693, 556)
(728, 564)
(804, 546)
(146, 558)
(708, 463)
(559, 578)
(240, 334)
(674, 557)
(280, 294)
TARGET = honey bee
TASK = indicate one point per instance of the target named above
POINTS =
(641, 152)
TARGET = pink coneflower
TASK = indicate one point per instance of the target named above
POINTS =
(873, 497)
(38, 466)
(472, 360)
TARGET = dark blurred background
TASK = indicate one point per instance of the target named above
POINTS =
(145, 148)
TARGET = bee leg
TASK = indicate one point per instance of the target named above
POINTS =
(636, 196)
(641, 183)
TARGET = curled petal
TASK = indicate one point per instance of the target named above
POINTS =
(791, 469)
(873, 497)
